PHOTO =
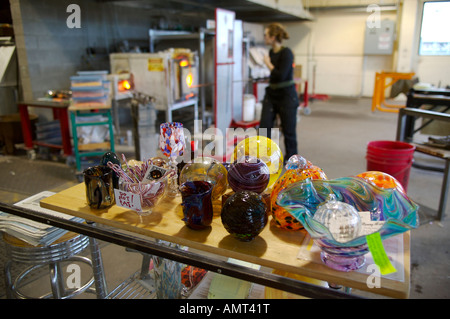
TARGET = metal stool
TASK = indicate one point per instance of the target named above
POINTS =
(64, 249)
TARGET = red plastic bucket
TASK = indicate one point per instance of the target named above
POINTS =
(391, 157)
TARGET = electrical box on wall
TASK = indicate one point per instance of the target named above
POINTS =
(379, 38)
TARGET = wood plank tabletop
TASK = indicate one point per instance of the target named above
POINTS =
(274, 247)
(433, 151)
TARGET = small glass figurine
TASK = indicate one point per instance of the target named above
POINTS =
(172, 145)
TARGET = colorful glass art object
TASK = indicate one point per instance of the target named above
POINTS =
(172, 145)
(297, 169)
(248, 173)
(382, 180)
(244, 215)
(167, 274)
(197, 204)
(171, 140)
(303, 198)
(191, 276)
(266, 150)
(206, 169)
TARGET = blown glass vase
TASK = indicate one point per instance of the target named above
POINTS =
(167, 274)
(392, 206)
(172, 145)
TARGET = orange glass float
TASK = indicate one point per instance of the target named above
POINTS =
(382, 180)
(297, 169)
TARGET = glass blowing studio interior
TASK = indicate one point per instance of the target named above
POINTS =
(164, 94)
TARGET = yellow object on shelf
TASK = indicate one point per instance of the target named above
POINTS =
(272, 293)
(379, 98)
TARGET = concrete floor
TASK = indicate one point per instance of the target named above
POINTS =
(334, 137)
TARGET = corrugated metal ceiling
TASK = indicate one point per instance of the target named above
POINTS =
(247, 11)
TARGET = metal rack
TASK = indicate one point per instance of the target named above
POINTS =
(200, 36)
(187, 257)
(133, 288)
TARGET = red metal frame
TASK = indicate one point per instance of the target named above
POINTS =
(59, 110)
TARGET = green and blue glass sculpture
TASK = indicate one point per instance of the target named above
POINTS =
(303, 198)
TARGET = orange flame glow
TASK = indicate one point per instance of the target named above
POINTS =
(189, 80)
(126, 85)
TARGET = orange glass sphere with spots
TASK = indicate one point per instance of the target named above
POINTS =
(382, 180)
(293, 174)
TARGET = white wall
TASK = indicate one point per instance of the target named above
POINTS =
(434, 70)
(333, 45)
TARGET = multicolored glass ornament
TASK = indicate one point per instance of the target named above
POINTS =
(297, 169)
(172, 145)
(302, 199)
(382, 180)
(248, 173)
(171, 140)
(266, 150)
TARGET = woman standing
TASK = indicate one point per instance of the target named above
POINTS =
(281, 96)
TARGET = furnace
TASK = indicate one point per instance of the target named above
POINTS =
(170, 77)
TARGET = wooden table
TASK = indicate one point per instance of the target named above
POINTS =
(274, 247)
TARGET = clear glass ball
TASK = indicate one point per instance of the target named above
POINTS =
(341, 219)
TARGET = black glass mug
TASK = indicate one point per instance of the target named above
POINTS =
(99, 186)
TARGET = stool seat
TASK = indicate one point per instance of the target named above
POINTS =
(64, 249)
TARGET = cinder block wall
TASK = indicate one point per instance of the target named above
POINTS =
(50, 52)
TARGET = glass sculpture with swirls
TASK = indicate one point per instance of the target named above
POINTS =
(266, 150)
(303, 198)
(172, 145)
(248, 173)
(297, 168)
(167, 274)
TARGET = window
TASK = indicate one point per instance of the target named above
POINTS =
(435, 35)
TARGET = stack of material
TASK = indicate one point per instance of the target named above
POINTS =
(49, 132)
(30, 231)
(90, 89)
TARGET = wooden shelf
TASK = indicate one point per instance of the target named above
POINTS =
(274, 248)
(93, 146)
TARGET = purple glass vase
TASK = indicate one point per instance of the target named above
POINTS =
(197, 204)
(248, 173)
